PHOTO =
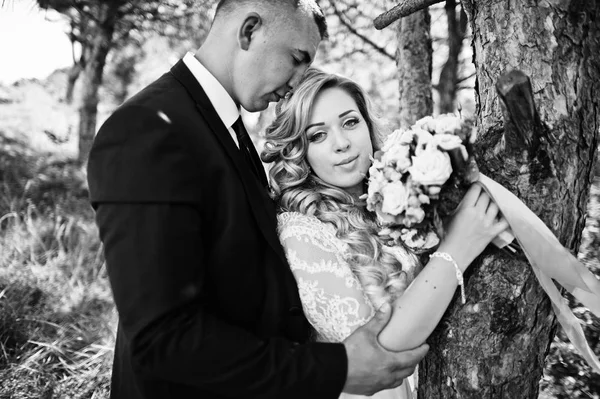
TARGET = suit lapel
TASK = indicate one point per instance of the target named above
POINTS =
(260, 203)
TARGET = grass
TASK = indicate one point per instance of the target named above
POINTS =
(57, 318)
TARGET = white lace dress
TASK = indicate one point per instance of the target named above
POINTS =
(332, 296)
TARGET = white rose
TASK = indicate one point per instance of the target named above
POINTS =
(399, 156)
(424, 138)
(377, 164)
(449, 142)
(392, 139)
(431, 167)
(376, 182)
(407, 137)
(415, 215)
(446, 142)
(391, 174)
(448, 123)
(395, 198)
(426, 123)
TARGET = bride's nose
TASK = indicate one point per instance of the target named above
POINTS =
(341, 142)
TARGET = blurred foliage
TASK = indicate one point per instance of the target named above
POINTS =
(173, 18)
(28, 179)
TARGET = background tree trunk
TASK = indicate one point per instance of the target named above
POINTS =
(74, 73)
(72, 77)
(457, 27)
(92, 78)
(495, 345)
(413, 58)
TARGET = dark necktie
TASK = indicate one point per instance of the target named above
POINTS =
(247, 148)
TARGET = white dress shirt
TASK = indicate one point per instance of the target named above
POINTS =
(216, 93)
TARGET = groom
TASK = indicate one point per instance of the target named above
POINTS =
(208, 307)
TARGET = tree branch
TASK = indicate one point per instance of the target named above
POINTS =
(345, 55)
(352, 30)
(402, 10)
(463, 78)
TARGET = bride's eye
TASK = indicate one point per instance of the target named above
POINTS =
(351, 122)
(317, 137)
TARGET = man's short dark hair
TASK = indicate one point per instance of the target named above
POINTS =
(226, 6)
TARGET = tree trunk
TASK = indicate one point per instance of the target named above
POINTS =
(75, 72)
(72, 76)
(414, 67)
(495, 345)
(92, 78)
(457, 28)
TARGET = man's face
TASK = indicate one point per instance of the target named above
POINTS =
(275, 61)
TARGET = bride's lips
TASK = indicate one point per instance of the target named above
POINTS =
(348, 160)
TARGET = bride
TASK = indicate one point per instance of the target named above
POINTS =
(320, 145)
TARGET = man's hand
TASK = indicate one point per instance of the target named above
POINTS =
(372, 368)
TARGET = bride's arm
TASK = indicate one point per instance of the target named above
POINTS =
(331, 296)
(418, 311)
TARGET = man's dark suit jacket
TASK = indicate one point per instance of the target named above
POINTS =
(208, 307)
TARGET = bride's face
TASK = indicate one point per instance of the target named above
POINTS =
(340, 145)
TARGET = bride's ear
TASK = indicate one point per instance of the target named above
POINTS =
(247, 31)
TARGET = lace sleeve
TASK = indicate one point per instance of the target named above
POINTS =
(331, 294)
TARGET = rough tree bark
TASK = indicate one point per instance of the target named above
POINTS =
(413, 58)
(92, 76)
(457, 27)
(495, 345)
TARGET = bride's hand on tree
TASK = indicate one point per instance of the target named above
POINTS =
(475, 224)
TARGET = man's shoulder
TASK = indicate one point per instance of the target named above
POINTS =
(164, 91)
(165, 98)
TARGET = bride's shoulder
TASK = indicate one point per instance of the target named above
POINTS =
(300, 222)
(286, 219)
(309, 229)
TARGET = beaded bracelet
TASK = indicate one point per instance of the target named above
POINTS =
(459, 276)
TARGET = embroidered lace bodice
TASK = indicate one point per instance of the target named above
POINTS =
(332, 297)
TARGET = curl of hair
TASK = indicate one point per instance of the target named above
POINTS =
(298, 190)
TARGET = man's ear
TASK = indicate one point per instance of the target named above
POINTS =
(252, 22)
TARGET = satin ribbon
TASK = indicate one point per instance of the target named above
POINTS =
(550, 260)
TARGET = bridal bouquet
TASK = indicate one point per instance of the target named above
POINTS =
(418, 178)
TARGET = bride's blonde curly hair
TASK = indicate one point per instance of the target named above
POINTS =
(297, 189)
